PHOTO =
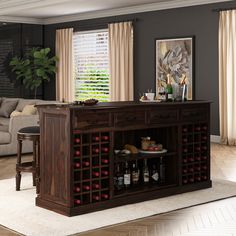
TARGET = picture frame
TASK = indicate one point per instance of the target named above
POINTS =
(175, 60)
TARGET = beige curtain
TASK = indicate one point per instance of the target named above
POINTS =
(227, 76)
(64, 76)
(121, 61)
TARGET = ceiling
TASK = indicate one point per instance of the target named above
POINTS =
(54, 11)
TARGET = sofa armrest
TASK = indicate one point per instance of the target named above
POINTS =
(18, 122)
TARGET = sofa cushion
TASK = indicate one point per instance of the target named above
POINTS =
(7, 107)
(5, 137)
(29, 110)
(23, 102)
(4, 121)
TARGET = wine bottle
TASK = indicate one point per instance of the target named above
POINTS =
(104, 172)
(86, 187)
(95, 150)
(77, 189)
(77, 152)
(118, 179)
(191, 179)
(105, 161)
(185, 129)
(105, 149)
(95, 174)
(86, 163)
(197, 128)
(145, 172)
(162, 170)
(185, 180)
(127, 175)
(96, 138)
(154, 174)
(96, 186)
(77, 140)
(169, 90)
(77, 164)
(197, 178)
(105, 196)
(185, 170)
(77, 201)
(105, 137)
(96, 197)
(135, 173)
(190, 169)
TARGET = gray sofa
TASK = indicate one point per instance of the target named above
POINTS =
(10, 125)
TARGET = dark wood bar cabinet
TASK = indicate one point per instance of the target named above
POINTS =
(78, 162)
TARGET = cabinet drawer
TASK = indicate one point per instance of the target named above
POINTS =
(164, 116)
(127, 118)
(93, 119)
(198, 114)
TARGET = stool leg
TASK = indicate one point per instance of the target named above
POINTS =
(34, 163)
(18, 173)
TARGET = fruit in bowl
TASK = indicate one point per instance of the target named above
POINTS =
(155, 147)
(90, 102)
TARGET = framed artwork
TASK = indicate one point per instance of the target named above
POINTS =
(174, 60)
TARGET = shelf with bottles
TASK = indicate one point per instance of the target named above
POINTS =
(143, 175)
(194, 178)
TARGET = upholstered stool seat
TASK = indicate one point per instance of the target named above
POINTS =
(31, 133)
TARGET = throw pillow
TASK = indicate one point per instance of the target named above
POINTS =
(15, 113)
(7, 107)
(29, 110)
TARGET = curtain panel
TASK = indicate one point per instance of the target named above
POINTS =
(64, 75)
(227, 76)
(121, 61)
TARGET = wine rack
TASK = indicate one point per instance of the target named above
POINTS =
(91, 155)
(195, 164)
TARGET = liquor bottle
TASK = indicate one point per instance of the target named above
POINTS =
(127, 175)
(86, 163)
(86, 187)
(95, 150)
(145, 172)
(105, 196)
(105, 137)
(169, 89)
(95, 186)
(96, 138)
(77, 140)
(162, 170)
(77, 189)
(105, 161)
(77, 164)
(135, 173)
(77, 152)
(118, 179)
(154, 174)
(77, 201)
(96, 197)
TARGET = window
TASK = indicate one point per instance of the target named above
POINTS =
(91, 65)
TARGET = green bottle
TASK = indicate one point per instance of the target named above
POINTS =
(169, 90)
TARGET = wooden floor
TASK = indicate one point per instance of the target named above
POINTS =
(212, 219)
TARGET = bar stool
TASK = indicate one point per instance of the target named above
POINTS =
(31, 133)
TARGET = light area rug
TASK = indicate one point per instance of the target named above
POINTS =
(18, 211)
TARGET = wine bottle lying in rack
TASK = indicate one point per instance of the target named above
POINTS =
(95, 150)
(104, 172)
(105, 196)
(86, 163)
(96, 138)
(96, 197)
(105, 161)
(105, 137)
(105, 149)
(96, 186)
(77, 202)
(86, 187)
(77, 140)
(77, 165)
(77, 189)
(95, 174)
(77, 152)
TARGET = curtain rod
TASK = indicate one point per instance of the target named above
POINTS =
(223, 9)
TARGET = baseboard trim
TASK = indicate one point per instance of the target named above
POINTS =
(215, 138)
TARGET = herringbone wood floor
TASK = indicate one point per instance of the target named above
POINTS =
(212, 219)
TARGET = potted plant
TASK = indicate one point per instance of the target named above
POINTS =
(34, 68)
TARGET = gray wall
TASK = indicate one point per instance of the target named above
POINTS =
(197, 21)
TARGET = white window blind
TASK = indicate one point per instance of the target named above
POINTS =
(91, 65)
